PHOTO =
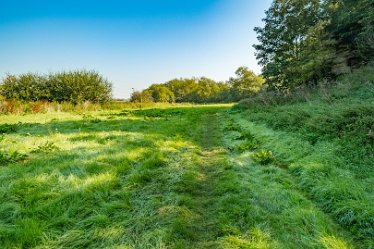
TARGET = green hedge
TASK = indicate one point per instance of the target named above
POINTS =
(72, 86)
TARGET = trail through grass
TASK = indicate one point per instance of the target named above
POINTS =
(325, 141)
(152, 178)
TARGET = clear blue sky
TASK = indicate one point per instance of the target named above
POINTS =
(133, 43)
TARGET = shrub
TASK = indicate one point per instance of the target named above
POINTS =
(73, 86)
(263, 157)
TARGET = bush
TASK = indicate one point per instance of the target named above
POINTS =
(73, 86)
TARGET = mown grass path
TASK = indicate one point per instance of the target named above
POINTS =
(156, 178)
(211, 162)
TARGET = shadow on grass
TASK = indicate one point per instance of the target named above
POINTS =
(181, 122)
(76, 197)
(107, 190)
(142, 180)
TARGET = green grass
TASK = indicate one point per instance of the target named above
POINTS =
(165, 178)
(326, 142)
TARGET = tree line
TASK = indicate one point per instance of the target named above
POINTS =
(71, 86)
(202, 90)
(304, 41)
(301, 43)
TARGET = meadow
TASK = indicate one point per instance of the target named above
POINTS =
(168, 177)
(289, 165)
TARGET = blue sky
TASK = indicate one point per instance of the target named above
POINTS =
(132, 43)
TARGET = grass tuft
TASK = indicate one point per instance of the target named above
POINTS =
(263, 157)
(46, 147)
(11, 157)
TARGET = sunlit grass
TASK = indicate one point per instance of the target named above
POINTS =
(325, 143)
(154, 178)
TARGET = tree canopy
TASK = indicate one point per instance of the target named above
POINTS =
(304, 41)
(202, 90)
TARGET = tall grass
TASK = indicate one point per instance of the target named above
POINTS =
(153, 178)
(358, 85)
(13, 106)
(325, 136)
(18, 107)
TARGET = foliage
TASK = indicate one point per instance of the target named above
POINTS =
(282, 40)
(352, 25)
(73, 86)
(141, 97)
(306, 41)
(202, 90)
(357, 85)
(161, 93)
(263, 157)
(245, 84)
(248, 145)
(325, 139)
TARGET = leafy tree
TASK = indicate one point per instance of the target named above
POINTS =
(293, 30)
(136, 96)
(304, 41)
(202, 90)
(142, 96)
(160, 93)
(245, 84)
(352, 25)
(182, 88)
(29, 87)
(207, 89)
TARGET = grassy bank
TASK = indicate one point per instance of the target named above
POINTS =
(325, 140)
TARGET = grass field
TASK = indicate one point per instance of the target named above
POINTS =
(179, 177)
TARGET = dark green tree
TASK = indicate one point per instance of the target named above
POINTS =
(352, 26)
(293, 48)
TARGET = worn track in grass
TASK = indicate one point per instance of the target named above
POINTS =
(159, 178)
